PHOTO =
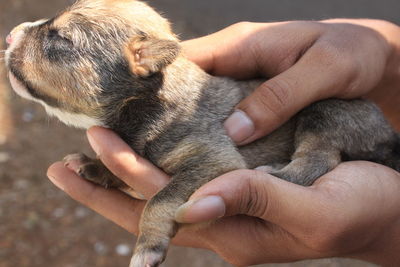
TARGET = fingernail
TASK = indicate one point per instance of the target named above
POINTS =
(55, 181)
(93, 143)
(239, 126)
(201, 210)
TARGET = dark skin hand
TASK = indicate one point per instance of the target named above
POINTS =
(353, 211)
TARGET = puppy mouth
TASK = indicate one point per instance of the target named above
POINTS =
(18, 85)
(15, 82)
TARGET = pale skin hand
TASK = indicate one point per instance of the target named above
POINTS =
(352, 211)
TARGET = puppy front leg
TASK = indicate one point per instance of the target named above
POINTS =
(93, 170)
(157, 225)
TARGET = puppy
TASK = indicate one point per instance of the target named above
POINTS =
(116, 63)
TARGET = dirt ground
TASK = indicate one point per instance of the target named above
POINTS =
(39, 225)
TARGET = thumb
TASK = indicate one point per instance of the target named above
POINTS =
(317, 75)
(252, 193)
(269, 106)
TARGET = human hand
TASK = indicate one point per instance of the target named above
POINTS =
(306, 62)
(351, 211)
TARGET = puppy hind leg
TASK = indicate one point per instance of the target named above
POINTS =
(311, 160)
(271, 168)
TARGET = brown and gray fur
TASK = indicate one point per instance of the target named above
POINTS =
(116, 63)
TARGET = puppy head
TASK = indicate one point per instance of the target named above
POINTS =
(89, 56)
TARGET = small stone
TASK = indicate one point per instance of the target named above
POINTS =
(28, 116)
(123, 250)
(100, 248)
(58, 213)
(81, 212)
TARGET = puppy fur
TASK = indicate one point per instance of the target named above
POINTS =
(117, 64)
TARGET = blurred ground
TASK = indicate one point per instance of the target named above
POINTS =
(39, 225)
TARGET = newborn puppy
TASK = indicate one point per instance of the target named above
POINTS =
(116, 63)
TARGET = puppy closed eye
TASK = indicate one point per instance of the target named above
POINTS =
(57, 47)
(54, 35)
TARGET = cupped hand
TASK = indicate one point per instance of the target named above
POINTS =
(351, 211)
(303, 62)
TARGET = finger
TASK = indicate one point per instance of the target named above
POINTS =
(317, 214)
(256, 194)
(319, 74)
(227, 52)
(112, 204)
(250, 50)
(120, 159)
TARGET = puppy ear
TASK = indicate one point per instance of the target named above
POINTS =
(150, 55)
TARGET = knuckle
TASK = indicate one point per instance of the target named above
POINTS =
(274, 96)
(119, 163)
(242, 25)
(253, 198)
(335, 54)
(242, 28)
(339, 57)
(257, 204)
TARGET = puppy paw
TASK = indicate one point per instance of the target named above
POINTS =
(152, 257)
(92, 170)
(82, 165)
(147, 255)
(75, 161)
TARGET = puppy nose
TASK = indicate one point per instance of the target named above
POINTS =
(9, 39)
(11, 36)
